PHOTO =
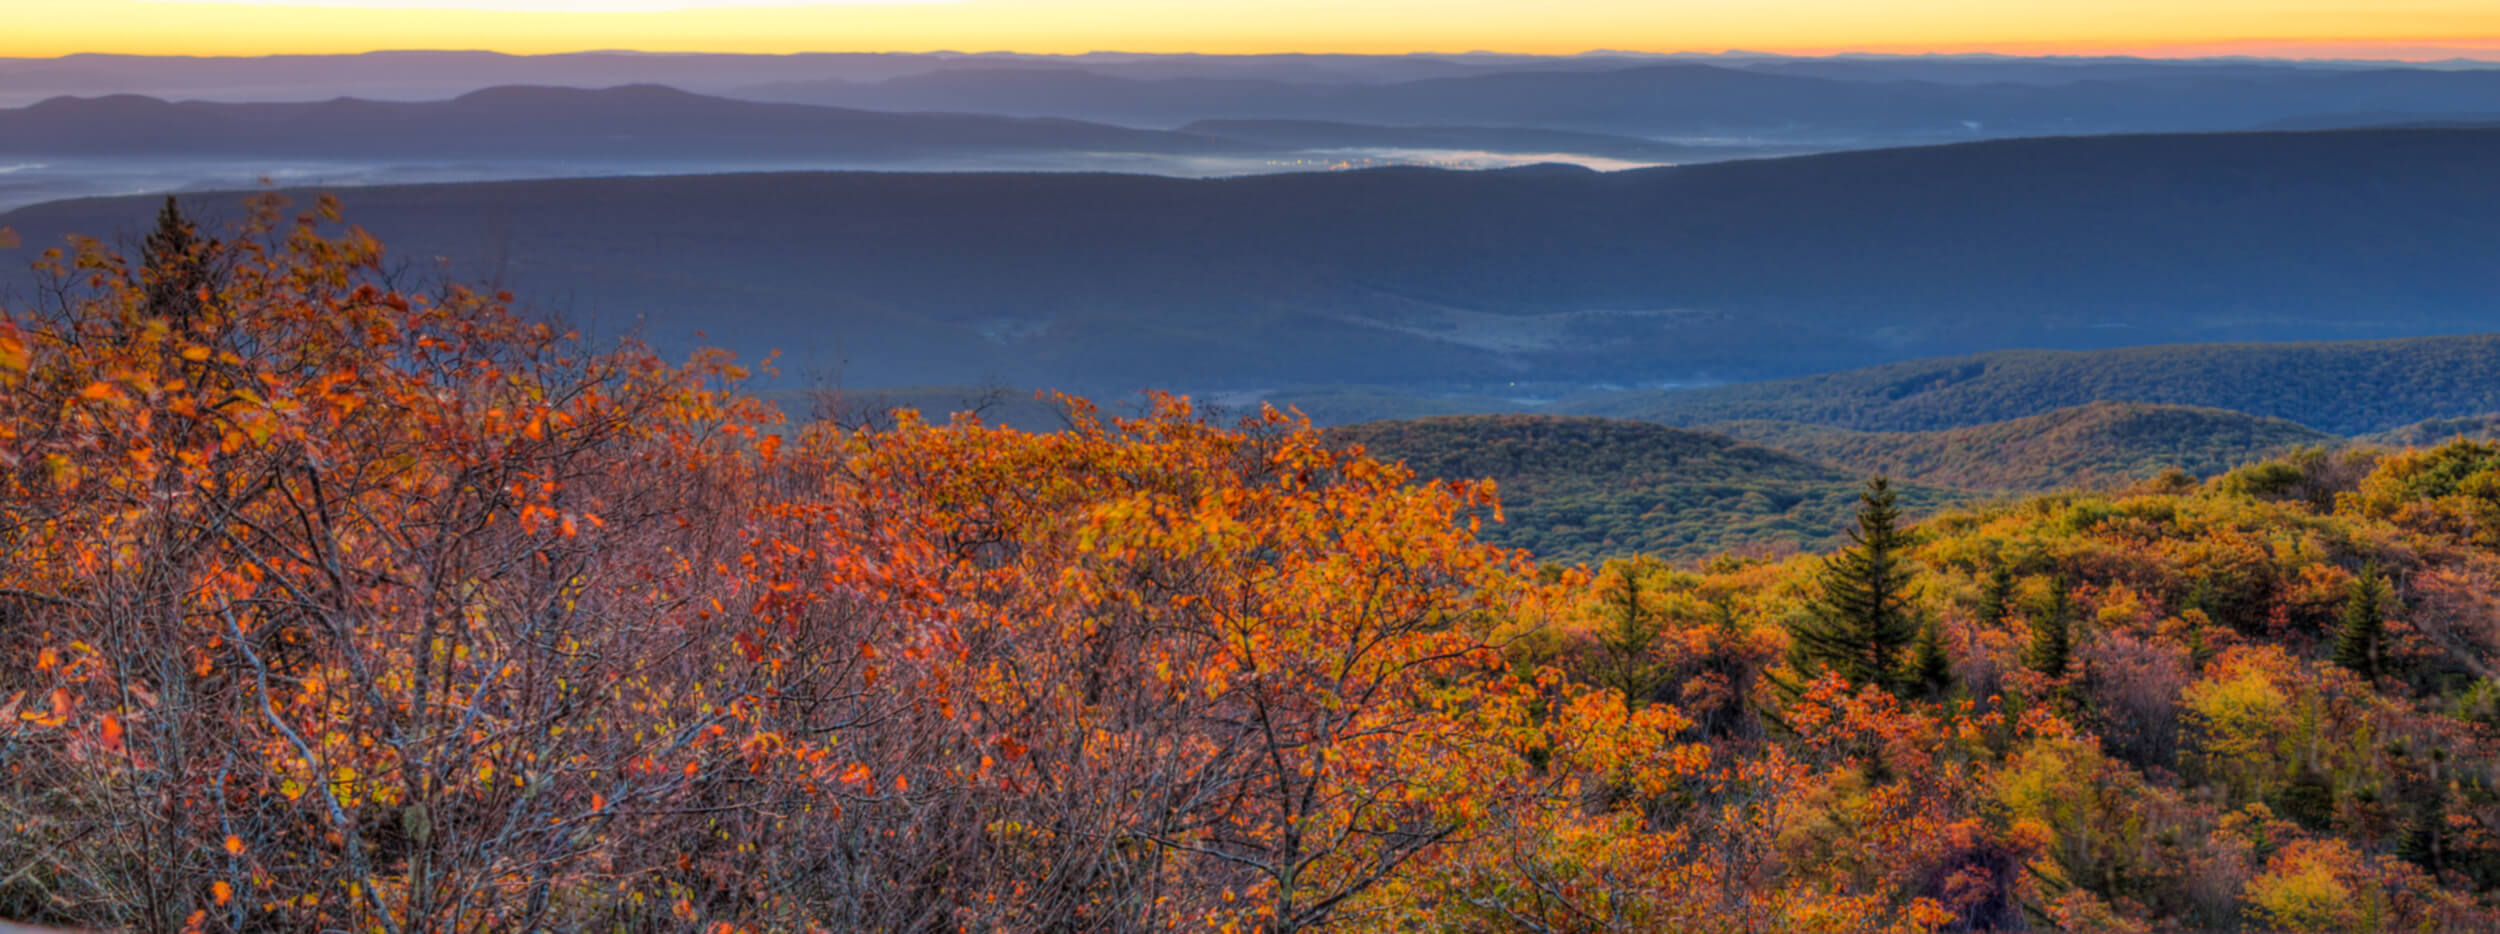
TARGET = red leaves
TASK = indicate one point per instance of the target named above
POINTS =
(410, 534)
(856, 775)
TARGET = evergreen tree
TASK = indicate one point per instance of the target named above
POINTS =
(2052, 648)
(2364, 624)
(1630, 643)
(1931, 668)
(1996, 598)
(174, 265)
(2309, 798)
(2425, 835)
(1861, 624)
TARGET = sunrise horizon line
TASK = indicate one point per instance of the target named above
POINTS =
(2183, 50)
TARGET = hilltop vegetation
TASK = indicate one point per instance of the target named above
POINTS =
(338, 608)
(2438, 430)
(2347, 388)
(1585, 489)
(324, 606)
(2098, 446)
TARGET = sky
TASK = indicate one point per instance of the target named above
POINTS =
(2408, 29)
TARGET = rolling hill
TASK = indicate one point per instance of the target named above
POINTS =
(1323, 134)
(2344, 388)
(1819, 98)
(2435, 431)
(2101, 445)
(1533, 281)
(1581, 489)
(615, 124)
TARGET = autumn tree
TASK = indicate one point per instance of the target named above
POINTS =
(326, 604)
(328, 587)
(1861, 620)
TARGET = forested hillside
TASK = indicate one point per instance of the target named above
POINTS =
(2102, 445)
(2438, 430)
(1552, 277)
(2351, 387)
(1585, 489)
(325, 606)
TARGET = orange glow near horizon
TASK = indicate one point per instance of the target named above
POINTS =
(2396, 29)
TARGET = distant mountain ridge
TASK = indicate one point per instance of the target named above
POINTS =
(1682, 98)
(627, 122)
(2098, 445)
(1323, 134)
(421, 74)
(1581, 489)
(2346, 388)
(1521, 283)
(2428, 432)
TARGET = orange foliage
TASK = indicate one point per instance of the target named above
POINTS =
(326, 604)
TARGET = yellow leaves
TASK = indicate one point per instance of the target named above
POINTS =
(2310, 885)
(344, 785)
(2031, 834)
(58, 713)
(1926, 914)
(14, 359)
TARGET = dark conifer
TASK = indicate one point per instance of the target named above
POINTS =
(2052, 648)
(1630, 641)
(175, 266)
(1996, 597)
(2364, 624)
(2425, 841)
(1931, 668)
(1861, 625)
